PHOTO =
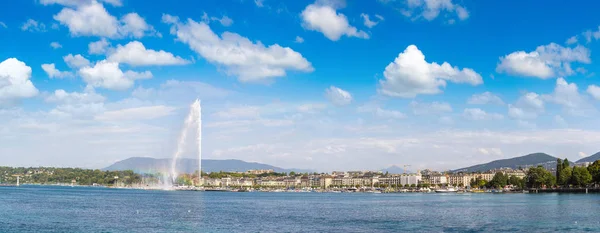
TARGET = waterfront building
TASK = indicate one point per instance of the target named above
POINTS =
(437, 179)
(261, 171)
(325, 181)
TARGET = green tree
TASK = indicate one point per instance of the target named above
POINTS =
(565, 176)
(500, 180)
(594, 170)
(559, 167)
(538, 177)
(566, 163)
(581, 177)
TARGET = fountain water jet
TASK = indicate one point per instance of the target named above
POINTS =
(193, 117)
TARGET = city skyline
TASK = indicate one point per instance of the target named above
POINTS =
(323, 85)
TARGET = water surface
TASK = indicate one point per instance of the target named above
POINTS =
(77, 209)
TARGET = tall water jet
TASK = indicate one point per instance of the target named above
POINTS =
(194, 116)
(199, 104)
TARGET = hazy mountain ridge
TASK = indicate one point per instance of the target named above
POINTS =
(185, 165)
(514, 163)
(591, 158)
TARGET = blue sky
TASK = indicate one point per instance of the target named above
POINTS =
(326, 84)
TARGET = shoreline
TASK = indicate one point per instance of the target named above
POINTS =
(203, 189)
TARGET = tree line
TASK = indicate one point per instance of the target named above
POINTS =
(566, 176)
(43, 175)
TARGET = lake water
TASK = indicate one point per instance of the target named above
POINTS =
(76, 209)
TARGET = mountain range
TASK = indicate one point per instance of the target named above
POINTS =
(514, 163)
(185, 165)
(590, 158)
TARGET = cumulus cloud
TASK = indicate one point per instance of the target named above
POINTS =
(76, 104)
(478, 114)
(431, 9)
(98, 47)
(370, 23)
(594, 91)
(79, 2)
(321, 16)
(33, 26)
(485, 98)
(410, 75)
(433, 108)
(52, 72)
(567, 95)
(572, 40)
(15, 83)
(528, 106)
(546, 61)
(92, 19)
(239, 112)
(108, 75)
(250, 62)
(55, 45)
(135, 53)
(224, 20)
(299, 40)
(338, 96)
(76, 61)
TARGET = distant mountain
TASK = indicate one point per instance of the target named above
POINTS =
(523, 161)
(591, 158)
(395, 170)
(184, 165)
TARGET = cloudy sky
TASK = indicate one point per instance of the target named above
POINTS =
(322, 85)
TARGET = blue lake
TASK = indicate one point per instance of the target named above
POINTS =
(76, 209)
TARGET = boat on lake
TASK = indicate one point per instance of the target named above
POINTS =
(446, 190)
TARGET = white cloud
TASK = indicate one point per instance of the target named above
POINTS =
(368, 22)
(485, 98)
(384, 113)
(531, 101)
(520, 114)
(589, 35)
(33, 26)
(324, 18)
(299, 40)
(431, 9)
(52, 72)
(134, 53)
(73, 3)
(478, 114)
(410, 75)
(311, 108)
(239, 112)
(136, 114)
(92, 19)
(546, 61)
(76, 61)
(225, 21)
(337, 96)
(108, 75)
(2, 24)
(76, 104)
(572, 40)
(594, 91)
(133, 24)
(433, 108)
(174, 91)
(250, 62)
(560, 121)
(259, 3)
(98, 47)
(567, 95)
(15, 81)
(55, 45)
